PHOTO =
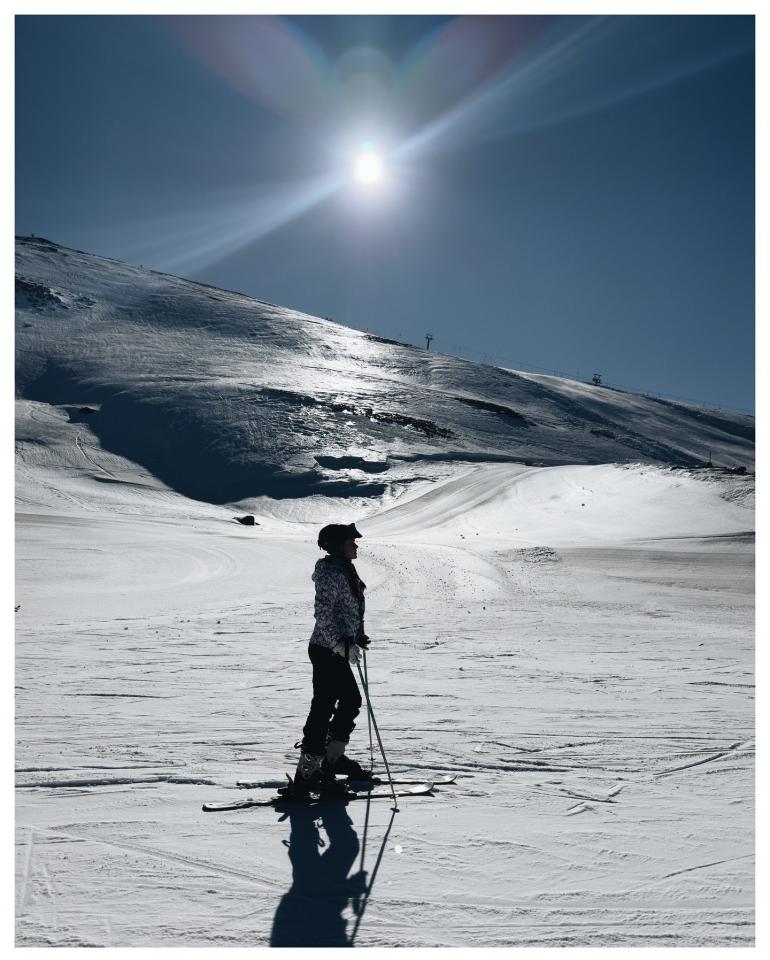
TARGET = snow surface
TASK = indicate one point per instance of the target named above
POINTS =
(561, 617)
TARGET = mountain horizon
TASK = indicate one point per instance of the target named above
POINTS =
(227, 398)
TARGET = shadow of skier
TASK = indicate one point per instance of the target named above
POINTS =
(310, 912)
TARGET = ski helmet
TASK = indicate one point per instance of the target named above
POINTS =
(333, 535)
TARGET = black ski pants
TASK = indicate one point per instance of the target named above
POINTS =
(336, 700)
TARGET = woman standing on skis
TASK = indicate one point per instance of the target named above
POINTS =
(333, 647)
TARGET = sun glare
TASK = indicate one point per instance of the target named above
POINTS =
(368, 167)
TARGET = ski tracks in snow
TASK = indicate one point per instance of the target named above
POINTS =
(730, 751)
(168, 856)
(605, 769)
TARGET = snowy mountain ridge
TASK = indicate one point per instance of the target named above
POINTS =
(225, 398)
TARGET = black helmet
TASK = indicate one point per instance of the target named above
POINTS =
(333, 535)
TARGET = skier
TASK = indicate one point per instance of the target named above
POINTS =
(335, 643)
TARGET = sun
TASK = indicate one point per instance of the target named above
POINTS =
(368, 168)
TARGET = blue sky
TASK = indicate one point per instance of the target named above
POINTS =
(568, 193)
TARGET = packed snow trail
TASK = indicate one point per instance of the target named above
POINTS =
(595, 700)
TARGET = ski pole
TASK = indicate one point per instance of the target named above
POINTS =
(368, 716)
(379, 738)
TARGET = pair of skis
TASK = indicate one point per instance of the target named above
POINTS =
(356, 790)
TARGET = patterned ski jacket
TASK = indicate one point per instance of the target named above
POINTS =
(339, 607)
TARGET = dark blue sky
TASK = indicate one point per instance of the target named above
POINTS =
(573, 193)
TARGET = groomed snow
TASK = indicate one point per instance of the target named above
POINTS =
(574, 640)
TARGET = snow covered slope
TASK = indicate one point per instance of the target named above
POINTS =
(561, 609)
(226, 398)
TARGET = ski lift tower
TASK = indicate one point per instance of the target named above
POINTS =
(428, 338)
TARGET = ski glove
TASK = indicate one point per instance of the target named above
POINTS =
(347, 649)
(363, 641)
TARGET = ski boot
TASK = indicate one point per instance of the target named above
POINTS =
(337, 764)
(311, 777)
